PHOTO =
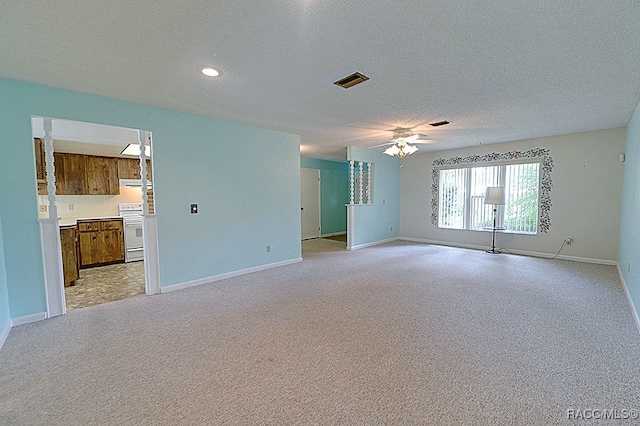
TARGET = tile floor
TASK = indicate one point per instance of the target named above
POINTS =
(106, 284)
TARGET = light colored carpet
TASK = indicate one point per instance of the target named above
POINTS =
(400, 333)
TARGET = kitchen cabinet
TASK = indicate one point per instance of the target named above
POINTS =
(86, 175)
(68, 242)
(101, 242)
(41, 172)
(71, 174)
(129, 168)
(102, 176)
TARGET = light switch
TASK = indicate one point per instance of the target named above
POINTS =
(194, 208)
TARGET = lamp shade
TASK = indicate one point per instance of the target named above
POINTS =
(494, 195)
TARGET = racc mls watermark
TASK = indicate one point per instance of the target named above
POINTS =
(602, 414)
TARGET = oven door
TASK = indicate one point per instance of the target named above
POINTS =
(133, 241)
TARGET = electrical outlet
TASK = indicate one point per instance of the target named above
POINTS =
(628, 267)
(568, 241)
(268, 249)
(392, 229)
(43, 207)
(71, 206)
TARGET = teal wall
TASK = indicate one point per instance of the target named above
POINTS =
(334, 193)
(629, 242)
(4, 296)
(248, 197)
(381, 220)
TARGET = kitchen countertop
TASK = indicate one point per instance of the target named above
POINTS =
(64, 222)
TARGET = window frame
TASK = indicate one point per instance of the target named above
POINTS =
(513, 157)
(501, 181)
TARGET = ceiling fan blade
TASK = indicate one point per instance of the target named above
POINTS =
(383, 144)
(424, 141)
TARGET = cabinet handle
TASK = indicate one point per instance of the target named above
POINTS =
(106, 236)
(94, 237)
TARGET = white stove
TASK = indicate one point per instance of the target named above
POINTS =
(131, 214)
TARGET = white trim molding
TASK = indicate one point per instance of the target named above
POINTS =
(28, 319)
(5, 333)
(374, 243)
(219, 277)
(512, 251)
(333, 234)
(634, 310)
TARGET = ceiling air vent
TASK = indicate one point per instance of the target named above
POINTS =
(351, 80)
(439, 123)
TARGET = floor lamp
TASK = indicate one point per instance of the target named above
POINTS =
(495, 196)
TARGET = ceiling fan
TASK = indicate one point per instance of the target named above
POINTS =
(403, 142)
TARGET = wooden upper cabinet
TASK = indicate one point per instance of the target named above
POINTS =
(149, 174)
(129, 168)
(102, 176)
(41, 173)
(71, 174)
(86, 175)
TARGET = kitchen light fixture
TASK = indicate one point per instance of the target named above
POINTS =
(210, 72)
(133, 149)
(401, 148)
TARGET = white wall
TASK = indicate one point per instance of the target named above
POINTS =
(629, 245)
(586, 197)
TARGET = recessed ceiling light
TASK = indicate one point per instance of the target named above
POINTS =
(210, 72)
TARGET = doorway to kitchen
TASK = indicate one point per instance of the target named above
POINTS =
(95, 250)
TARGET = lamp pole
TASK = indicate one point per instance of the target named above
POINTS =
(493, 241)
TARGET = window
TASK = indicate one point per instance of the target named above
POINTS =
(462, 190)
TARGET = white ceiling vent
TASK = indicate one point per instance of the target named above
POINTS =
(351, 80)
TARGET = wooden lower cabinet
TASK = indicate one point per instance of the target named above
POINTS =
(68, 242)
(101, 242)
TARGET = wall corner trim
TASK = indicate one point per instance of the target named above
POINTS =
(5, 333)
(634, 310)
(219, 277)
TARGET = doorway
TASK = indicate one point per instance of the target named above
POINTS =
(82, 227)
(310, 203)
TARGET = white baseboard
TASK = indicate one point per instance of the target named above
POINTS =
(28, 318)
(5, 333)
(511, 251)
(632, 305)
(219, 277)
(375, 243)
(333, 234)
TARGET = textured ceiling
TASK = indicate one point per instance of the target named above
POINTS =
(498, 70)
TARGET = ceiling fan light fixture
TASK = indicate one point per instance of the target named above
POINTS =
(400, 149)
(393, 150)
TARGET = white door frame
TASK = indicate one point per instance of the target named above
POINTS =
(317, 171)
(50, 234)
